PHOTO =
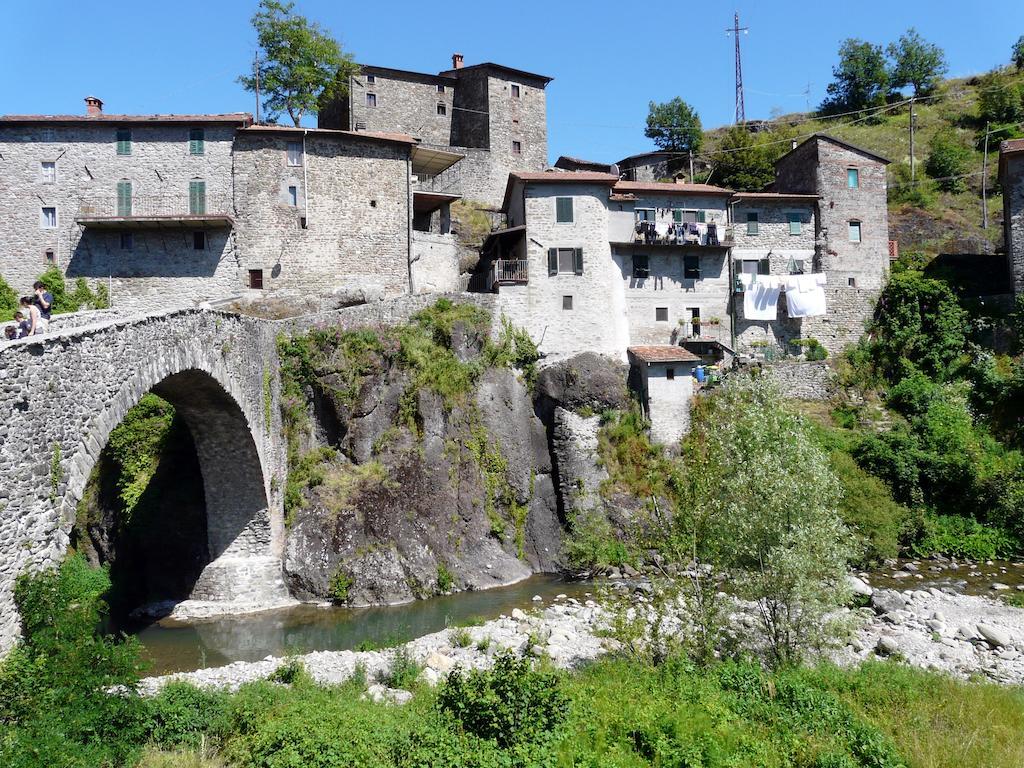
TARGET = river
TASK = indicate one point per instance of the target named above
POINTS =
(170, 646)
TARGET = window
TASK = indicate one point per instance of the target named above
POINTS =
(197, 197)
(641, 266)
(440, 87)
(199, 241)
(127, 241)
(661, 314)
(515, 91)
(567, 302)
(293, 196)
(517, 147)
(796, 266)
(565, 261)
(851, 282)
(49, 256)
(371, 99)
(124, 141)
(124, 198)
(371, 78)
(196, 141)
(854, 228)
(795, 225)
(49, 218)
(691, 267)
(645, 214)
(442, 109)
(48, 172)
(852, 178)
(563, 210)
(679, 216)
(752, 222)
(48, 135)
(670, 373)
(256, 279)
(755, 267)
(294, 150)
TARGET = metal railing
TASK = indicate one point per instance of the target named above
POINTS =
(510, 272)
(152, 205)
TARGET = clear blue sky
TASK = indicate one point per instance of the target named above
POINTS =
(609, 59)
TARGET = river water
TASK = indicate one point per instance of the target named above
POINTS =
(178, 647)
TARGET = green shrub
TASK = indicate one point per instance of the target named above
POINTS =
(592, 543)
(963, 538)
(8, 301)
(948, 160)
(509, 704)
(460, 638)
(445, 580)
(341, 583)
(181, 715)
(403, 671)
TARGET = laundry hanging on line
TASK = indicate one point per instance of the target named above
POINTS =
(805, 295)
(761, 298)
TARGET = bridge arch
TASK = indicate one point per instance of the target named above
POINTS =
(66, 392)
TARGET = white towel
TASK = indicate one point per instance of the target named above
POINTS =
(805, 296)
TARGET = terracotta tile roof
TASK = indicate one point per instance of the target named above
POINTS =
(841, 143)
(1011, 145)
(567, 177)
(401, 138)
(663, 353)
(491, 65)
(670, 188)
(243, 118)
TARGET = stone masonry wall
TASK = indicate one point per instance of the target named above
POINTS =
(160, 167)
(357, 211)
(435, 263)
(1013, 217)
(813, 380)
(404, 104)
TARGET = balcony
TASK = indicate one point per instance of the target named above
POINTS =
(707, 236)
(509, 272)
(154, 212)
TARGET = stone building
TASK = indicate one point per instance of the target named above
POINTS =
(665, 382)
(142, 203)
(171, 210)
(493, 115)
(1011, 178)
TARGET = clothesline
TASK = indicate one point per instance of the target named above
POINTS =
(805, 295)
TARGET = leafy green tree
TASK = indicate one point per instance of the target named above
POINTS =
(674, 126)
(300, 65)
(758, 491)
(745, 161)
(861, 78)
(999, 99)
(8, 301)
(1017, 54)
(948, 161)
(916, 62)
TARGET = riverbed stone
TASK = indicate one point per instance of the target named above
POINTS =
(994, 635)
(885, 601)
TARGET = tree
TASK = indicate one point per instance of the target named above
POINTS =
(948, 160)
(861, 78)
(300, 63)
(1017, 55)
(744, 160)
(916, 62)
(674, 126)
(999, 100)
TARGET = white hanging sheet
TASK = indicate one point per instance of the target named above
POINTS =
(761, 298)
(805, 295)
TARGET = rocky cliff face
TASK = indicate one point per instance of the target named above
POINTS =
(405, 486)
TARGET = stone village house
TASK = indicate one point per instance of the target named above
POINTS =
(172, 210)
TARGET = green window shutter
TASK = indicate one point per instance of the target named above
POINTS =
(577, 261)
(563, 210)
(794, 223)
(763, 267)
(751, 223)
(677, 216)
(702, 217)
(124, 198)
(196, 142)
(197, 198)
(124, 141)
(552, 261)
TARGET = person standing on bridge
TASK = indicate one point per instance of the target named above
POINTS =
(44, 300)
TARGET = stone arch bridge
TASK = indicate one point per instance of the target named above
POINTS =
(61, 394)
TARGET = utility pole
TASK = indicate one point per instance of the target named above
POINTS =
(691, 166)
(256, 66)
(984, 184)
(735, 29)
(913, 169)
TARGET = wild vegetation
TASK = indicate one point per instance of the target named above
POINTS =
(79, 298)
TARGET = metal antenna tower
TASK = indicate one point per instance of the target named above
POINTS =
(735, 30)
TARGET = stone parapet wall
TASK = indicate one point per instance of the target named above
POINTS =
(802, 380)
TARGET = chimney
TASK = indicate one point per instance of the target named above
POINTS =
(792, 144)
(456, 61)
(93, 106)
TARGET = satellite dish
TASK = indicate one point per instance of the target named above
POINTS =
(614, 170)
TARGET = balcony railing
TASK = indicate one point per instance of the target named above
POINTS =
(721, 236)
(509, 272)
(141, 209)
